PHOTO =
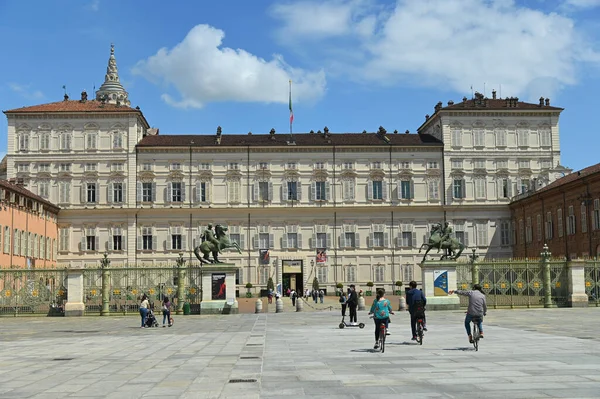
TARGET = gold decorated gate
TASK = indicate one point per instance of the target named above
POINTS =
(32, 291)
(592, 281)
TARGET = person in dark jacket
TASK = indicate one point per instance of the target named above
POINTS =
(353, 304)
(415, 301)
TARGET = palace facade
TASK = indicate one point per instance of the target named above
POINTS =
(344, 207)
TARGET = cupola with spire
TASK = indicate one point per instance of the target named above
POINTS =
(111, 90)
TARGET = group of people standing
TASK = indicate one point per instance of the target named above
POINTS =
(146, 308)
(349, 300)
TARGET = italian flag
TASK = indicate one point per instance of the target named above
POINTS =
(291, 111)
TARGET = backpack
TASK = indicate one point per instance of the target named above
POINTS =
(419, 309)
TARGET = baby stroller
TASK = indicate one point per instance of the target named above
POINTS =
(151, 319)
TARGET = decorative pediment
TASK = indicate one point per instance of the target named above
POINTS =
(526, 173)
(291, 174)
(176, 175)
(320, 174)
(45, 126)
(457, 173)
(478, 124)
(44, 175)
(263, 174)
(503, 173)
(405, 175)
(91, 173)
(64, 175)
(117, 175)
(348, 173)
(376, 174)
(147, 176)
(438, 172)
(233, 175)
(480, 171)
(205, 175)
(91, 126)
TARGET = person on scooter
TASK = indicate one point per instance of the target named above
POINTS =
(353, 304)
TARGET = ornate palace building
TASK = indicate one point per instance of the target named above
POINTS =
(344, 207)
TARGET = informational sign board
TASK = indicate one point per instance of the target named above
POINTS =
(219, 288)
(440, 282)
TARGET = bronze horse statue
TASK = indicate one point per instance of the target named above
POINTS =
(208, 247)
(452, 247)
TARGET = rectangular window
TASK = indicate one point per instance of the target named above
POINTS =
(528, 231)
(525, 184)
(546, 164)
(457, 164)
(348, 187)
(117, 239)
(405, 187)
(263, 191)
(458, 188)
(480, 188)
(176, 238)
(482, 234)
(321, 240)
(44, 167)
(559, 222)
(147, 166)
(23, 167)
(378, 190)
(233, 191)
(44, 189)
(236, 237)
(204, 166)
(65, 141)
(176, 192)
(479, 137)
(584, 218)
(500, 137)
(23, 141)
(117, 140)
(322, 274)
(263, 165)
(117, 167)
(407, 237)
(545, 138)
(479, 164)
(408, 272)
(263, 240)
(350, 240)
(91, 140)
(405, 165)
(117, 192)
(376, 165)
(524, 164)
(456, 137)
(147, 192)
(65, 167)
(433, 189)
(234, 166)
(502, 164)
(147, 239)
(348, 165)
(320, 194)
(505, 188)
(505, 233)
(44, 141)
(292, 240)
(379, 272)
(571, 221)
(91, 192)
(202, 197)
(378, 239)
(175, 166)
(538, 225)
(90, 239)
(64, 192)
(292, 191)
(549, 227)
(523, 137)
(350, 273)
(433, 165)
(6, 240)
(91, 167)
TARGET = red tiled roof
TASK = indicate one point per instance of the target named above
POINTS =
(73, 106)
(281, 139)
(590, 170)
(23, 191)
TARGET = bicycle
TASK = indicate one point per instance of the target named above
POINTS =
(476, 333)
(420, 330)
(382, 335)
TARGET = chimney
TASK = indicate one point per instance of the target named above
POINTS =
(516, 102)
(326, 131)
(395, 131)
(83, 96)
(407, 132)
(450, 103)
(427, 117)
(438, 106)
(507, 102)
(272, 133)
(249, 133)
(541, 101)
(493, 94)
(547, 102)
(66, 97)
(364, 132)
(311, 132)
(464, 99)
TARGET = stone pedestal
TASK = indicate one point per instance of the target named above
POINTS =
(213, 276)
(75, 305)
(437, 297)
(299, 304)
(577, 295)
(278, 305)
(258, 306)
(361, 303)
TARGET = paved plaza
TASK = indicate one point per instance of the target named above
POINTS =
(528, 353)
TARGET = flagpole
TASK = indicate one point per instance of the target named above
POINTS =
(291, 112)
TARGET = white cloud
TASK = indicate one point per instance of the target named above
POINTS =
(582, 4)
(453, 44)
(95, 5)
(25, 91)
(202, 71)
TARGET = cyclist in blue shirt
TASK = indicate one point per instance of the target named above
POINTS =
(381, 310)
(416, 301)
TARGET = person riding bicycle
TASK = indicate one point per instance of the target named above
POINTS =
(381, 310)
(477, 308)
(415, 301)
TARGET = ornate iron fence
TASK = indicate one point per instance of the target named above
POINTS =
(32, 291)
(592, 281)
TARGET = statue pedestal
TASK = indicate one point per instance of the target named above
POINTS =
(438, 278)
(218, 289)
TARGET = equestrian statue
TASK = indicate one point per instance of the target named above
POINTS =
(213, 243)
(441, 238)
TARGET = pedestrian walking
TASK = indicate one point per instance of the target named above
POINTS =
(343, 302)
(166, 309)
(321, 295)
(293, 295)
(144, 306)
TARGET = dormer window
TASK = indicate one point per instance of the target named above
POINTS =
(147, 166)
(175, 166)
(433, 165)
(65, 167)
(234, 166)
(319, 165)
(348, 165)
(263, 165)
(117, 167)
(204, 166)
(91, 167)
(376, 165)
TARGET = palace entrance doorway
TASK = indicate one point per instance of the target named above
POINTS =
(292, 276)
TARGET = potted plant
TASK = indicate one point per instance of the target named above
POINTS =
(248, 294)
(315, 284)
(369, 292)
(340, 288)
(270, 284)
(398, 285)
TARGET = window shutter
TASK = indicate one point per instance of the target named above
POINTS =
(154, 243)
(124, 192)
(399, 189)
(97, 199)
(198, 191)
(255, 192)
(369, 190)
(183, 242)
(313, 242)
(370, 242)
(357, 240)
(329, 243)
(110, 243)
(169, 192)
(270, 191)
(510, 191)
(464, 188)
(182, 192)
(384, 190)
(83, 193)
(139, 243)
(207, 191)
(386, 240)
(519, 186)
(313, 190)
(169, 242)
(414, 240)
(271, 241)
(123, 242)
(284, 191)
(412, 189)
(327, 191)
(466, 243)
(255, 241)
(83, 243)
(97, 246)
(298, 190)
(153, 192)
(284, 241)
(499, 189)
(242, 241)
(139, 191)
(343, 240)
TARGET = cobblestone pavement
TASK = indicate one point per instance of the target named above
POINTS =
(535, 353)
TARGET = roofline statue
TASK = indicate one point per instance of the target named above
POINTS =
(214, 243)
(441, 237)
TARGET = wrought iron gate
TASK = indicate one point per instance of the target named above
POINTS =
(592, 281)
(32, 291)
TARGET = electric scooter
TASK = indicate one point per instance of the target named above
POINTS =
(344, 324)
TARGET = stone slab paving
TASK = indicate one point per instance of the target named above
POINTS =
(527, 353)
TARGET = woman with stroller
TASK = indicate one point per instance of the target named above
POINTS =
(144, 306)
(166, 309)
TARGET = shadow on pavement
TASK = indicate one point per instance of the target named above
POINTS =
(470, 348)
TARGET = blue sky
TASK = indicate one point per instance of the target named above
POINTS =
(355, 64)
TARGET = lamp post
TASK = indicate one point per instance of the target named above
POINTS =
(104, 264)
(474, 268)
(546, 254)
